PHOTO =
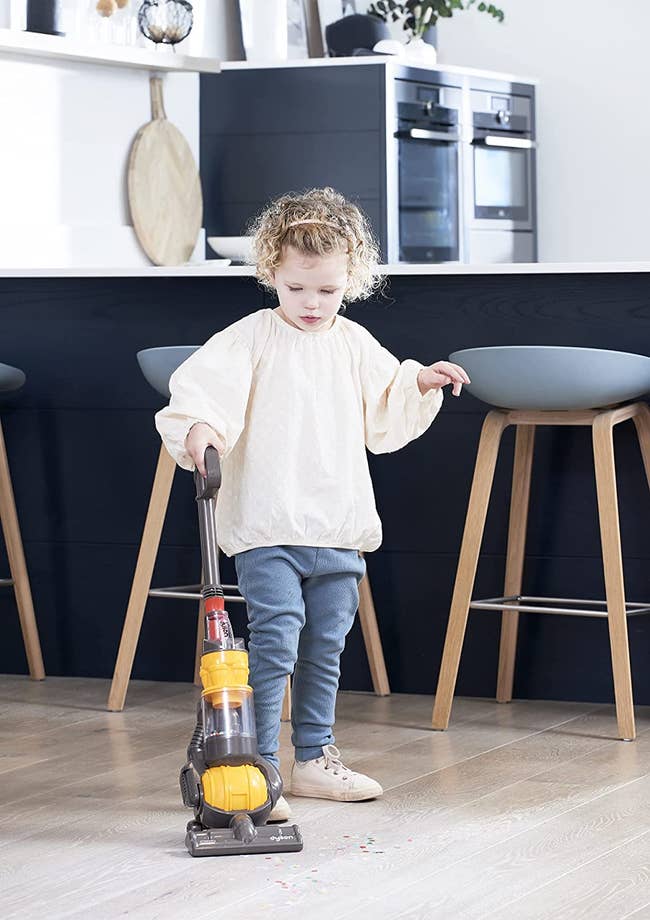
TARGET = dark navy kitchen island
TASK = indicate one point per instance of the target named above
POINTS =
(82, 449)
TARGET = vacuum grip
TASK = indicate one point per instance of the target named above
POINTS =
(208, 486)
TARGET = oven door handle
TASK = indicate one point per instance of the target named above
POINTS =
(495, 140)
(423, 134)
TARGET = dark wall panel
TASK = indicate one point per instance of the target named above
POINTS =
(329, 122)
(322, 99)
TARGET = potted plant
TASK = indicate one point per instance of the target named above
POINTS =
(419, 18)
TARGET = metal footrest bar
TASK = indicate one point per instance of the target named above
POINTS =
(193, 593)
(528, 604)
(4, 582)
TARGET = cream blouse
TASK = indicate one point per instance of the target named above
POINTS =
(296, 411)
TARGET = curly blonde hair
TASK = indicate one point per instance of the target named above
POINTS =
(317, 222)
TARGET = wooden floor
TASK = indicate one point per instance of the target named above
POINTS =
(524, 810)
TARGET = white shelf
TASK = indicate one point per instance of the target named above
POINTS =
(62, 48)
(209, 269)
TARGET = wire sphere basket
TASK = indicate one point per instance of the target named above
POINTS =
(166, 22)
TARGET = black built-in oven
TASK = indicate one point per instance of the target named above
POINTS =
(428, 141)
(502, 161)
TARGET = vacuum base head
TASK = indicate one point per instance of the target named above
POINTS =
(222, 841)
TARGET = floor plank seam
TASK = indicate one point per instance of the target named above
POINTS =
(501, 746)
(548, 769)
(428, 731)
(567, 873)
(146, 760)
(427, 878)
(635, 913)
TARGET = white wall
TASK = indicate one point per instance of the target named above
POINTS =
(593, 62)
(63, 157)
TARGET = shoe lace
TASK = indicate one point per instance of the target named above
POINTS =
(333, 761)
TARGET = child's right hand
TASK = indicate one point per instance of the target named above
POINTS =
(198, 438)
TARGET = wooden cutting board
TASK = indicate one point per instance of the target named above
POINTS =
(164, 188)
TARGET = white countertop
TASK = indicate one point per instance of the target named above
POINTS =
(205, 270)
(516, 268)
(382, 59)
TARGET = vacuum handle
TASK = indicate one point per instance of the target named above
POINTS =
(206, 492)
(208, 486)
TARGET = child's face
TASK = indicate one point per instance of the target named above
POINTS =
(311, 288)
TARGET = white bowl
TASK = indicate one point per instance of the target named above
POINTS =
(237, 248)
(390, 46)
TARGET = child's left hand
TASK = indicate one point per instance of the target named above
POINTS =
(440, 374)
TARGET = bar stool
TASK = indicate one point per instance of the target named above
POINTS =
(157, 366)
(12, 379)
(547, 386)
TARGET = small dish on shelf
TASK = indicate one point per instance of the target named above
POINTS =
(210, 263)
(237, 248)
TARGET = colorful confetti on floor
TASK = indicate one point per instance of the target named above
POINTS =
(304, 879)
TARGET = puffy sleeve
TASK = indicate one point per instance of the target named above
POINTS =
(395, 412)
(212, 386)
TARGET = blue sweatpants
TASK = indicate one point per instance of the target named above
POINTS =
(301, 603)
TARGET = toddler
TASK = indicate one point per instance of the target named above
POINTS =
(291, 397)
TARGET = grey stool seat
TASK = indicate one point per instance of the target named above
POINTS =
(157, 366)
(12, 379)
(550, 377)
(537, 385)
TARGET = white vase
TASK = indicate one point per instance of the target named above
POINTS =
(421, 52)
(5, 14)
(264, 29)
(18, 15)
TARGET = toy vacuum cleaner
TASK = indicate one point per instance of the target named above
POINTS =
(230, 787)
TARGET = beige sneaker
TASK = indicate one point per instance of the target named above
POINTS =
(281, 811)
(328, 778)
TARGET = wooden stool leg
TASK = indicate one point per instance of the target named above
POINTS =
(486, 459)
(18, 568)
(158, 502)
(372, 639)
(642, 425)
(610, 537)
(521, 473)
(286, 702)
